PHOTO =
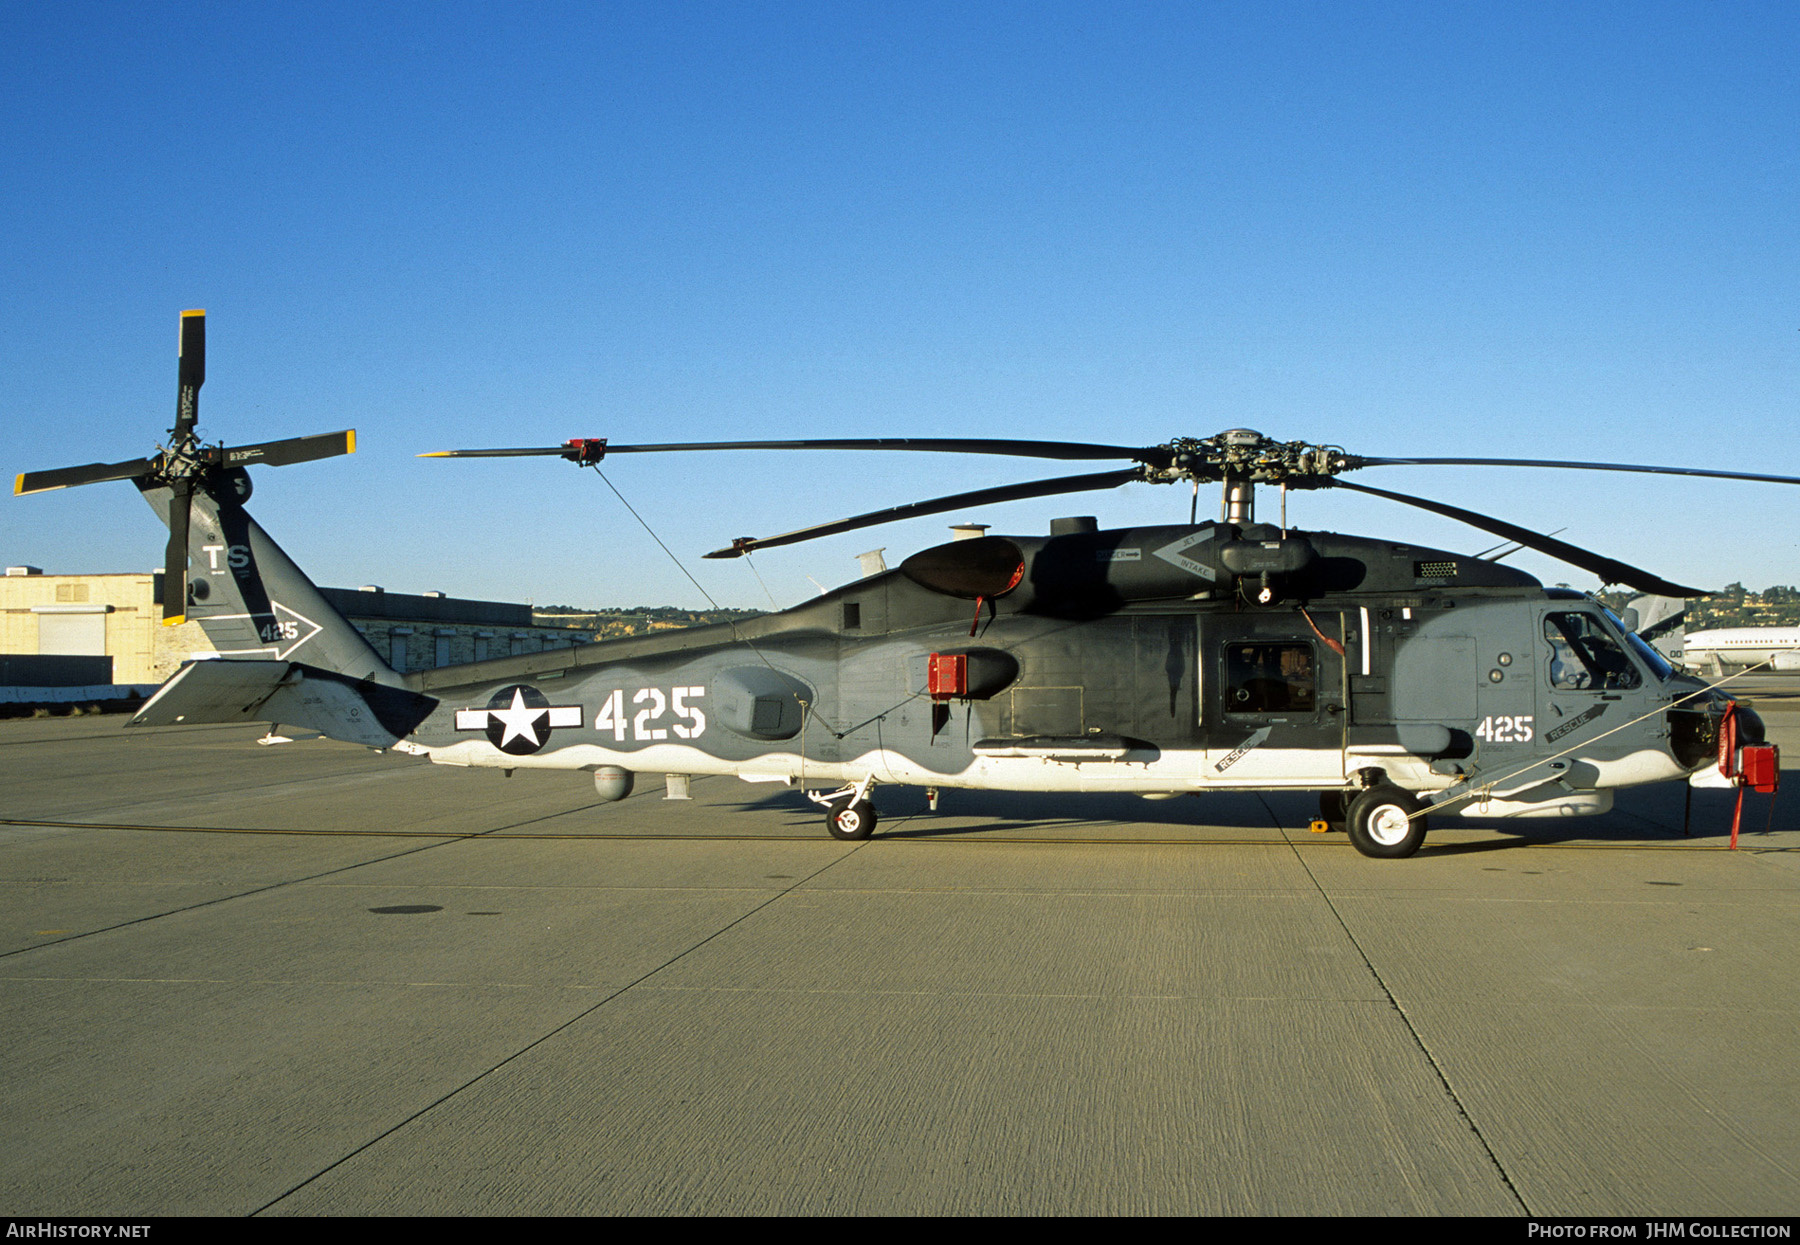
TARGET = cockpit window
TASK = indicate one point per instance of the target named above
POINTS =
(1270, 678)
(1659, 665)
(1584, 657)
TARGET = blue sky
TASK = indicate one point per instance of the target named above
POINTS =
(1563, 230)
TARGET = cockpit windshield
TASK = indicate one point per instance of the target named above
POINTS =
(1659, 665)
(1584, 656)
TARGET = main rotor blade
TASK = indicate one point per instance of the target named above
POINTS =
(175, 557)
(980, 497)
(191, 374)
(1354, 461)
(292, 449)
(1609, 570)
(545, 451)
(1069, 450)
(1493, 553)
(69, 477)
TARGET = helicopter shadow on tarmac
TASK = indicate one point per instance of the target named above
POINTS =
(964, 812)
(1653, 814)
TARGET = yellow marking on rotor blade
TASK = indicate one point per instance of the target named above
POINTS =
(19, 484)
(175, 620)
(350, 441)
(186, 314)
(436, 454)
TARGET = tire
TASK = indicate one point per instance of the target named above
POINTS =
(1333, 808)
(851, 822)
(1382, 823)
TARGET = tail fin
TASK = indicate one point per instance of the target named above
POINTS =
(1660, 622)
(288, 655)
(250, 598)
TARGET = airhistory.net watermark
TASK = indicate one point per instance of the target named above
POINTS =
(50, 1230)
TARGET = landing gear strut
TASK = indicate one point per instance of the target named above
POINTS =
(849, 815)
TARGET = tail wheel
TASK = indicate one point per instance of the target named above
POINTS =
(851, 820)
(1386, 822)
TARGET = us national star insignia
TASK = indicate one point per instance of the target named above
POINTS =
(518, 719)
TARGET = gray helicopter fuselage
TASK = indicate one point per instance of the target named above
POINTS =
(1131, 660)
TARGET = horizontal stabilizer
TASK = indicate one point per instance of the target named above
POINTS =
(355, 711)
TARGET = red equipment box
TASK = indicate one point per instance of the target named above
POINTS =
(948, 675)
(1759, 766)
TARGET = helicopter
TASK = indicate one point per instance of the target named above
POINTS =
(1398, 682)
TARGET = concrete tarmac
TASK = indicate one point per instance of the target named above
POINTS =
(312, 979)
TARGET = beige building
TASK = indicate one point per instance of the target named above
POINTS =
(95, 615)
(119, 616)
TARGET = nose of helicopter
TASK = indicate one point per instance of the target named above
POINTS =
(1749, 725)
(1699, 720)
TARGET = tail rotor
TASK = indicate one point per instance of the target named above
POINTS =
(186, 464)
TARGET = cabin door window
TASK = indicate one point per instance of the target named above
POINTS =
(1264, 677)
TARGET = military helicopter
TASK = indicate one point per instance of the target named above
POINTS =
(1393, 680)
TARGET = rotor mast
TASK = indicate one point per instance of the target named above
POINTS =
(1242, 458)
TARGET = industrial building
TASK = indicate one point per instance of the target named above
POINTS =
(113, 623)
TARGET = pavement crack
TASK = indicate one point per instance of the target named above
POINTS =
(1418, 1038)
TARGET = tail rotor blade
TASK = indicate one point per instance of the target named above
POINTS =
(292, 450)
(191, 374)
(69, 477)
(175, 557)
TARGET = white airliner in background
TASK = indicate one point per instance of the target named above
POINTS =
(1660, 621)
(1742, 646)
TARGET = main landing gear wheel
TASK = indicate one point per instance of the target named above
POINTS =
(1382, 823)
(851, 820)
